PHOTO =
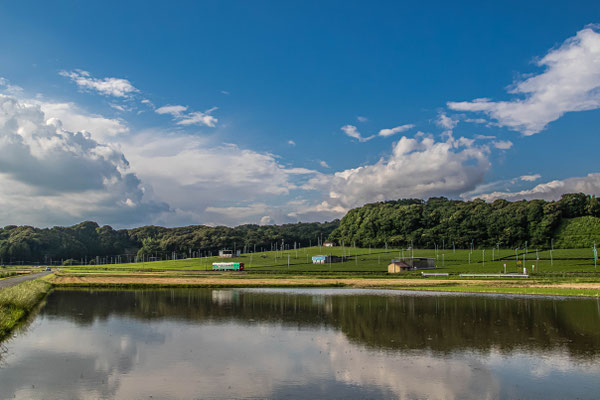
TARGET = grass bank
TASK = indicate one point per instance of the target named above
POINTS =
(18, 301)
(558, 287)
(7, 274)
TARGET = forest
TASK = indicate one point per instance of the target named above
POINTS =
(443, 222)
(408, 222)
(88, 240)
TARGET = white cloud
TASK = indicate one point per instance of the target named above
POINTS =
(52, 175)
(484, 137)
(351, 131)
(117, 107)
(291, 143)
(148, 103)
(179, 114)
(361, 119)
(115, 87)
(570, 82)
(477, 120)
(174, 111)
(75, 119)
(266, 220)
(225, 92)
(446, 122)
(416, 168)
(324, 164)
(9, 88)
(198, 118)
(240, 213)
(393, 131)
(553, 190)
(198, 178)
(502, 144)
(530, 178)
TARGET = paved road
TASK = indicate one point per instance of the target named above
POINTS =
(8, 282)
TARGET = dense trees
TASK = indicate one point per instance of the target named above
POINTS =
(88, 240)
(398, 223)
(444, 222)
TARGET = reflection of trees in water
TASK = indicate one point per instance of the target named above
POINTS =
(439, 323)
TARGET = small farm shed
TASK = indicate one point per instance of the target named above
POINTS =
(229, 253)
(327, 259)
(410, 264)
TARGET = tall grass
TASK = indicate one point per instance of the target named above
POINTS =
(16, 303)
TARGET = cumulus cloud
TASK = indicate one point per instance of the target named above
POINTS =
(324, 164)
(74, 119)
(360, 118)
(266, 220)
(530, 178)
(182, 117)
(115, 87)
(393, 131)
(197, 178)
(552, 190)
(353, 132)
(570, 82)
(291, 143)
(53, 175)
(419, 167)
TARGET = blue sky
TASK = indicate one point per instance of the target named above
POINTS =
(271, 112)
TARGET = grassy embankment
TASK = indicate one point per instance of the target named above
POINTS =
(560, 272)
(7, 274)
(16, 302)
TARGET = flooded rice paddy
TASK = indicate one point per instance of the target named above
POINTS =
(303, 343)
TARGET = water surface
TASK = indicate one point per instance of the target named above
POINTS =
(304, 343)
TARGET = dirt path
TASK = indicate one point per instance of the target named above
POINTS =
(8, 282)
(306, 281)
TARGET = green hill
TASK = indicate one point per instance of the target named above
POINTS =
(578, 232)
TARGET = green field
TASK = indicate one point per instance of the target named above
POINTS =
(375, 261)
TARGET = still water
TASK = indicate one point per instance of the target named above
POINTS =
(303, 343)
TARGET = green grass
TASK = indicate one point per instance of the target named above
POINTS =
(374, 261)
(16, 303)
(578, 232)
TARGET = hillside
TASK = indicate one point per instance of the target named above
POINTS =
(443, 222)
(578, 232)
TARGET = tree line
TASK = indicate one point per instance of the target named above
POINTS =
(87, 241)
(443, 222)
(402, 223)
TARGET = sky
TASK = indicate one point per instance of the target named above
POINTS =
(269, 112)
